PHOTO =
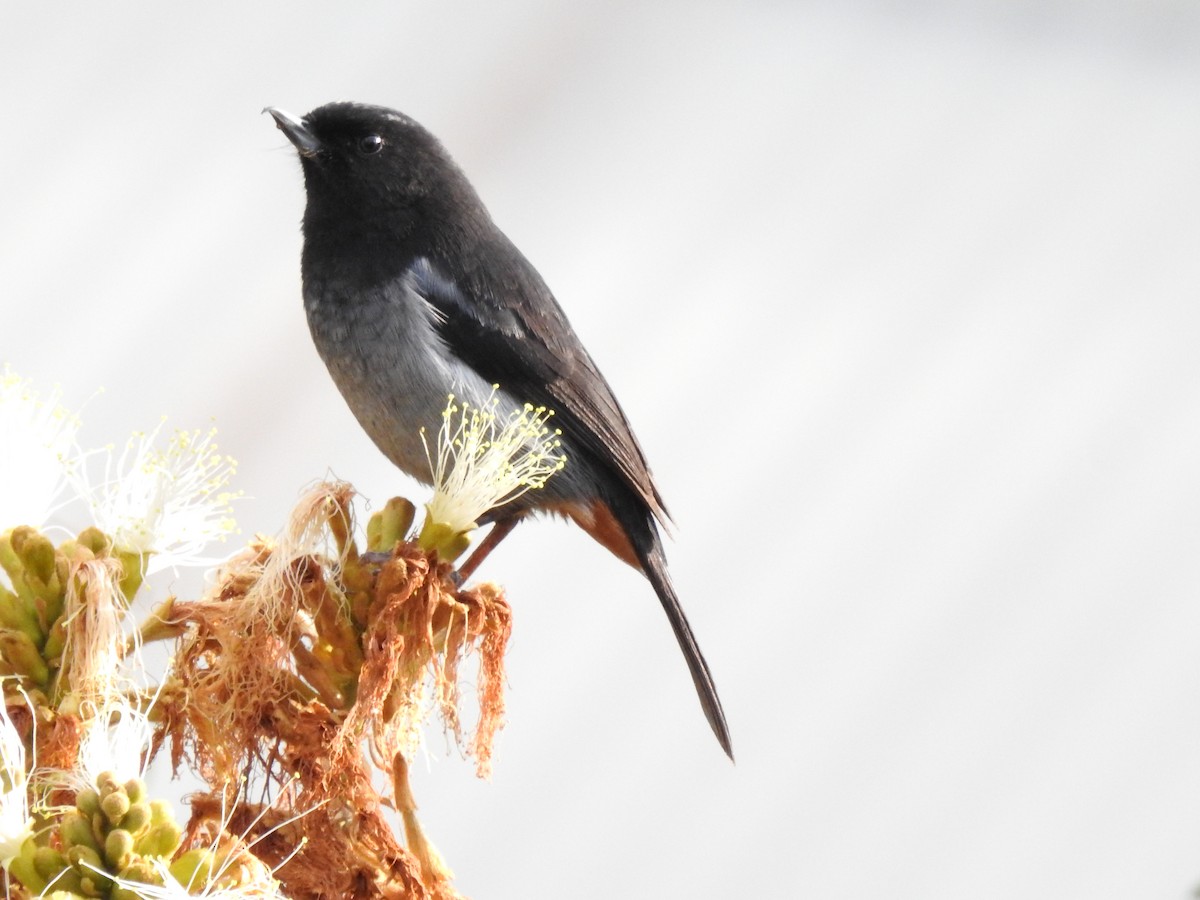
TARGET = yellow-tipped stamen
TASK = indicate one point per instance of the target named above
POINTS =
(165, 506)
(482, 461)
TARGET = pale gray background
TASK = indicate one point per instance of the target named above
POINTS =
(902, 301)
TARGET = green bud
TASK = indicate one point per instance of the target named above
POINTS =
(76, 831)
(50, 604)
(137, 819)
(115, 805)
(135, 789)
(448, 543)
(17, 613)
(95, 540)
(194, 869)
(85, 859)
(133, 568)
(81, 855)
(30, 560)
(10, 561)
(162, 839)
(455, 547)
(118, 848)
(141, 871)
(28, 851)
(87, 802)
(390, 525)
(37, 555)
(22, 868)
(68, 886)
(56, 640)
(107, 782)
(161, 811)
(48, 862)
(100, 828)
(20, 652)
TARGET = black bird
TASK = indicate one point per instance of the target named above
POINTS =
(412, 293)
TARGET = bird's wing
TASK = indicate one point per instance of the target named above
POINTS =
(508, 327)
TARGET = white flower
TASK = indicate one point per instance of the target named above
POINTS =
(165, 505)
(117, 739)
(484, 461)
(37, 450)
(15, 822)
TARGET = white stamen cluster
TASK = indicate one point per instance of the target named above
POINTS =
(484, 460)
(169, 504)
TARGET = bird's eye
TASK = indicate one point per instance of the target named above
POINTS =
(372, 143)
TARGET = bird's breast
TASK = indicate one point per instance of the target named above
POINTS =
(382, 348)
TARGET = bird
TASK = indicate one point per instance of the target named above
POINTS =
(413, 293)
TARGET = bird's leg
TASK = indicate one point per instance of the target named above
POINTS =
(498, 533)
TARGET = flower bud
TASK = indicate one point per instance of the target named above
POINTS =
(22, 868)
(107, 782)
(23, 656)
(36, 554)
(68, 883)
(141, 871)
(135, 789)
(76, 831)
(194, 868)
(87, 802)
(48, 861)
(162, 840)
(137, 820)
(84, 858)
(95, 540)
(138, 872)
(449, 542)
(17, 614)
(390, 525)
(56, 640)
(161, 811)
(118, 848)
(115, 805)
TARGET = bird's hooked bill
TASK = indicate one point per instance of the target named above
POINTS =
(297, 132)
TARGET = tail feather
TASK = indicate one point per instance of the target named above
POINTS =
(630, 535)
(654, 564)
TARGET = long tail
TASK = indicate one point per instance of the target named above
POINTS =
(654, 564)
(632, 536)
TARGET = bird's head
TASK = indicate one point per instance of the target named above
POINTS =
(369, 167)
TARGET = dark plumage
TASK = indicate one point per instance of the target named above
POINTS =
(412, 292)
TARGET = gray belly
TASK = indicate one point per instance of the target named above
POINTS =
(383, 351)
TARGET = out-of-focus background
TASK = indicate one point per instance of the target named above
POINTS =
(902, 300)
